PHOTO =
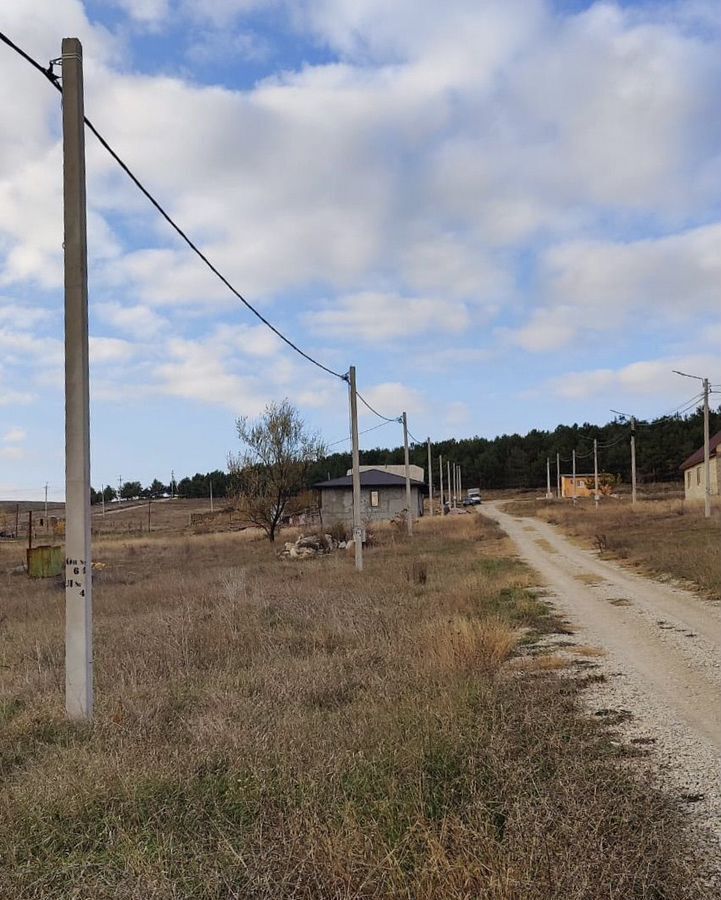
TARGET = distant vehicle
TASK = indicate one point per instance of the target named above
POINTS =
(474, 492)
(471, 501)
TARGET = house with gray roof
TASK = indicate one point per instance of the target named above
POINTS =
(383, 497)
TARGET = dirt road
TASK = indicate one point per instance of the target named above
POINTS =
(661, 655)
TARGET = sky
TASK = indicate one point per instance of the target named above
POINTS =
(505, 213)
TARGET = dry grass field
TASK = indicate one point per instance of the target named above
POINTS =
(663, 537)
(270, 728)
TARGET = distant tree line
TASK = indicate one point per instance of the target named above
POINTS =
(519, 461)
(188, 488)
(506, 461)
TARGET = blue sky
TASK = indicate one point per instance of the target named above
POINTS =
(505, 213)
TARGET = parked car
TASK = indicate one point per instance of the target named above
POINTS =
(471, 501)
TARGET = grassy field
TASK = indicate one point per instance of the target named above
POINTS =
(269, 728)
(663, 537)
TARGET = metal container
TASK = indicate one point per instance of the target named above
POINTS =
(46, 561)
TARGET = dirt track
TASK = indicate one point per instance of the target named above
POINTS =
(662, 655)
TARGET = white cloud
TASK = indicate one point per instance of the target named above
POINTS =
(138, 321)
(147, 12)
(110, 350)
(239, 367)
(13, 453)
(373, 316)
(391, 399)
(12, 444)
(458, 414)
(653, 378)
(597, 286)
(14, 435)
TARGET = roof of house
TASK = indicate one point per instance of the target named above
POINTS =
(417, 472)
(698, 456)
(371, 479)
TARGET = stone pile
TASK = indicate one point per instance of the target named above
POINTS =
(311, 545)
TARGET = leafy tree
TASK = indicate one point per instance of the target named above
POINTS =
(109, 494)
(131, 489)
(274, 465)
(157, 488)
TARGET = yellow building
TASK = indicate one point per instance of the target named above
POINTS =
(694, 471)
(584, 485)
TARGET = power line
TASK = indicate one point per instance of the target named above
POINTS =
(375, 411)
(54, 80)
(372, 428)
(607, 444)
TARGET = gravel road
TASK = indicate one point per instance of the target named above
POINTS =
(661, 656)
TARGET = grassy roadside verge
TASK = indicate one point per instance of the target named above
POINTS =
(666, 538)
(280, 729)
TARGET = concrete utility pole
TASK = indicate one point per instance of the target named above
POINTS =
(210, 482)
(574, 478)
(595, 472)
(409, 517)
(706, 452)
(460, 485)
(633, 461)
(78, 562)
(120, 487)
(172, 484)
(549, 495)
(558, 476)
(448, 483)
(440, 471)
(357, 523)
(632, 419)
(46, 506)
(430, 479)
(102, 498)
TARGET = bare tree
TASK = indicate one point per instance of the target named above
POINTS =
(274, 465)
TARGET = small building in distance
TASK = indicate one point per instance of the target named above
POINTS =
(694, 471)
(383, 496)
(584, 486)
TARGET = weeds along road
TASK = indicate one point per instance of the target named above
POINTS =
(661, 654)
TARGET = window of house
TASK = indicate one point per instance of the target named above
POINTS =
(374, 498)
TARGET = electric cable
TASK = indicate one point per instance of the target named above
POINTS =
(365, 431)
(375, 411)
(55, 81)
